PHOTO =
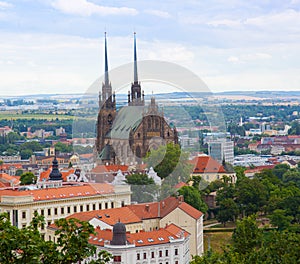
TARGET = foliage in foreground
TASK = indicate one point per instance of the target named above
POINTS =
(252, 245)
(27, 245)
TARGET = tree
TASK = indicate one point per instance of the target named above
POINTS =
(170, 160)
(143, 188)
(192, 196)
(246, 236)
(280, 219)
(28, 178)
(73, 236)
(251, 195)
(228, 211)
(19, 172)
(63, 148)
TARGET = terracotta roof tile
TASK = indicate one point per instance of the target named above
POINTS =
(109, 216)
(140, 239)
(82, 190)
(206, 164)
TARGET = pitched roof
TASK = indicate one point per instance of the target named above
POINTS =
(64, 192)
(129, 117)
(142, 238)
(64, 173)
(109, 216)
(6, 178)
(206, 164)
(163, 208)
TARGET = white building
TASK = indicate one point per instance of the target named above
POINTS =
(165, 245)
(221, 149)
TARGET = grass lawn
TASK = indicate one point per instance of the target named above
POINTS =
(34, 116)
(217, 240)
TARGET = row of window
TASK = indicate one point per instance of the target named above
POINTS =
(160, 254)
(75, 209)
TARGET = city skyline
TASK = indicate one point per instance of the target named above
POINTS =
(49, 46)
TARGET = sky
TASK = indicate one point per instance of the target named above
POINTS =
(56, 46)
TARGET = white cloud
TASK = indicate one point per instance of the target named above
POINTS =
(159, 13)
(224, 22)
(86, 8)
(249, 57)
(5, 5)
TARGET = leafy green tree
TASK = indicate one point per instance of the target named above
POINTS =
(292, 176)
(63, 148)
(32, 145)
(280, 219)
(280, 169)
(251, 195)
(73, 236)
(246, 236)
(170, 160)
(28, 178)
(143, 188)
(26, 153)
(228, 211)
(192, 196)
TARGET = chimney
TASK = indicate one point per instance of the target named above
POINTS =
(180, 198)
(163, 204)
(147, 207)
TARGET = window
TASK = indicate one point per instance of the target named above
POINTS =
(117, 258)
(43, 226)
(23, 215)
(138, 256)
(55, 211)
(49, 223)
(176, 251)
(49, 238)
(94, 206)
(88, 207)
(112, 205)
(23, 225)
(122, 204)
(106, 205)
(42, 212)
(81, 208)
(49, 211)
(75, 209)
(100, 206)
(145, 255)
(69, 209)
(62, 210)
(160, 253)
(152, 254)
(176, 262)
(167, 253)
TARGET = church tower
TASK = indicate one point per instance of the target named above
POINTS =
(107, 107)
(136, 97)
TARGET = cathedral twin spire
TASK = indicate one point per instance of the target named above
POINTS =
(135, 97)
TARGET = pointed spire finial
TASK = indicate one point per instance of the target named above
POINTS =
(135, 60)
(106, 62)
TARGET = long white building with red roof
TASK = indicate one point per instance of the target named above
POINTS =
(59, 202)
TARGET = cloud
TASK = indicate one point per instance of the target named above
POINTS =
(159, 13)
(224, 22)
(86, 8)
(249, 57)
(5, 5)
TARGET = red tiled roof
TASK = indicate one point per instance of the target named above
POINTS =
(163, 208)
(109, 216)
(87, 189)
(260, 168)
(64, 173)
(190, 210)
(6, 178)
(7, 166)
(180, 184)
(142, 238)
(206, 164)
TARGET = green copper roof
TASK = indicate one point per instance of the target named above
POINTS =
(128, 117)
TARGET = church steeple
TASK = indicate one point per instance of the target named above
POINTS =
(135, 61)
(106, 81)
(136, 97)
(106, 98)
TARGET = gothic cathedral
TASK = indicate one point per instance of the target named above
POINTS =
(125, 137)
